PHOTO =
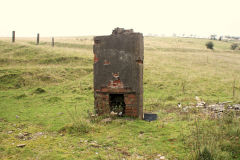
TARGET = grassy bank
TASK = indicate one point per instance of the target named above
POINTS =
(46, 95)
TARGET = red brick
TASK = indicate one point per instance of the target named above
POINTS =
(95, 59)
(104, 90)
(106, 62)
(105, 96)
(131, 114)
(130, 101)
(131, 95)
(121, 90)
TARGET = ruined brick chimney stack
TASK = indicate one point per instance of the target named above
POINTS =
(118, 73)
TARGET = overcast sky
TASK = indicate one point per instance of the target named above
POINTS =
(99, 17)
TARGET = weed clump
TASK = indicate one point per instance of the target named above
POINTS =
(228, 117)
(170, 98)
(78, 125)
(54, 99)
(205, 154)
(39, 91)
(21, 96)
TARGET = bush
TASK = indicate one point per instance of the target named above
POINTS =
(234, 46)
(209, 45)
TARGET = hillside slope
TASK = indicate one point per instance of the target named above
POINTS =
(46, 101)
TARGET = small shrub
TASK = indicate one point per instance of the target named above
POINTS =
(234, 46)
(209, 45)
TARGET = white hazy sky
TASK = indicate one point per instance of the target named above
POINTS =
(99, 17)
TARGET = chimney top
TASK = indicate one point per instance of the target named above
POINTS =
(117, 31)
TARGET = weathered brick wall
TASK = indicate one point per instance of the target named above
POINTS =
(118, 69)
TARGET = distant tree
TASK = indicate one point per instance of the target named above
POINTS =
(209, 45)
(234, 46)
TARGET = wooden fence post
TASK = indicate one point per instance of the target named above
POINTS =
(52, 41)
(13, 36)
(38, 39)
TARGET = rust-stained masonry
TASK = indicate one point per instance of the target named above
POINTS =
(118, 73)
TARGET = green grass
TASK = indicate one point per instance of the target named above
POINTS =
(50, 90)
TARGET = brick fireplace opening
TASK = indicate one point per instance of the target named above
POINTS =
(117, 104)
(118, 73)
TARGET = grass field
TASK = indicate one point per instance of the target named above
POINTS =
(46, 95)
